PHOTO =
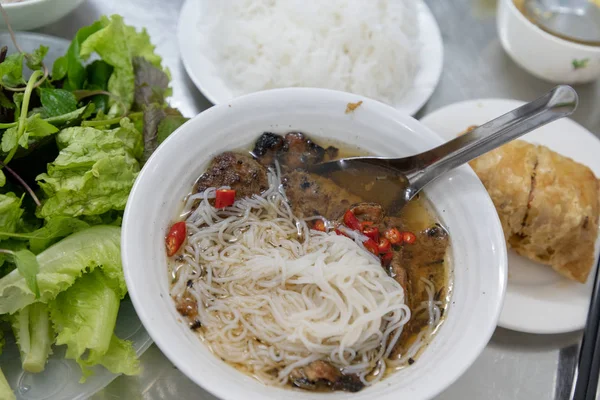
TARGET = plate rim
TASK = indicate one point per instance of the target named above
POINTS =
(429, 76)
(507, 319)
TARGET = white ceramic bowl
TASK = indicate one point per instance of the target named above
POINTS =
(544, 55)
(478, 249)
(32, 14)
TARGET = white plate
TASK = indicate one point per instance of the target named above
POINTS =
(538, 300)
(60, 379)
(205, 74)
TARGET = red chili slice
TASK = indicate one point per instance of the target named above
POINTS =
(394, 236)
(371, 245)
(351, 221)
(225, 198)
(386, 259)
(372, 233)
(409, 237)
(365, 224)
(175, 238)
(384, 246)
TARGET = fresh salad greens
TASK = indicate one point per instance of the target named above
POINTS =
(74, 136)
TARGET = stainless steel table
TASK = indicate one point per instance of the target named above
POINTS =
(514, 365)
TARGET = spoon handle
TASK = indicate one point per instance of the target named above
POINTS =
(558, 103)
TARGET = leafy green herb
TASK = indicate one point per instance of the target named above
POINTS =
(578, 64)
(169, 125)
(35, 127)
(23, 114)
(70, 66)
(151, 83)
(56, 228)
(11, 70)
(57, 102)
(35, 60)
(72, 117)
(5, 102)
(117, 44)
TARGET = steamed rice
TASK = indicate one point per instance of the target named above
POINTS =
(367, 47)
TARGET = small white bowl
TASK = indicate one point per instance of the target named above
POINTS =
(32, 14)
(478, 251)
(546, 56)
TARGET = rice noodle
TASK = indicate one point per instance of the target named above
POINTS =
(271, 302)
(367, 47)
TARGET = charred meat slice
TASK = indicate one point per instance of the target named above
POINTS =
(187, 307)
(301, 151)
(312, 195)
(321, 373)
(372, 212)
(267, 146)
(239, 171)
(293, 151)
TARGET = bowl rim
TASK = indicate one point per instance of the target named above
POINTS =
(23, 4)
(555, 39)
(219, 111)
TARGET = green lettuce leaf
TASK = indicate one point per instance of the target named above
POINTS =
(6, 392)
(62, 263)
(117, 44)
(10, 213)
(84, 316)
(33, 332)
(94, 171)
(120, 358)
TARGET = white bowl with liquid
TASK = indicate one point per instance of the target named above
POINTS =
(542, 54)
(478, 251)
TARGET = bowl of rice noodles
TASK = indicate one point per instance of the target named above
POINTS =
(260, 280)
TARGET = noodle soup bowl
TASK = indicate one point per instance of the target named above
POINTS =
(477, 251)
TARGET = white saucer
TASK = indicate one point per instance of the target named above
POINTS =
(538, 300)
(205, 74)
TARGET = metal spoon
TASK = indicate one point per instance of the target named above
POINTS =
(405, 177)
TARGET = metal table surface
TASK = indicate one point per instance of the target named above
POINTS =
(514, 365)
